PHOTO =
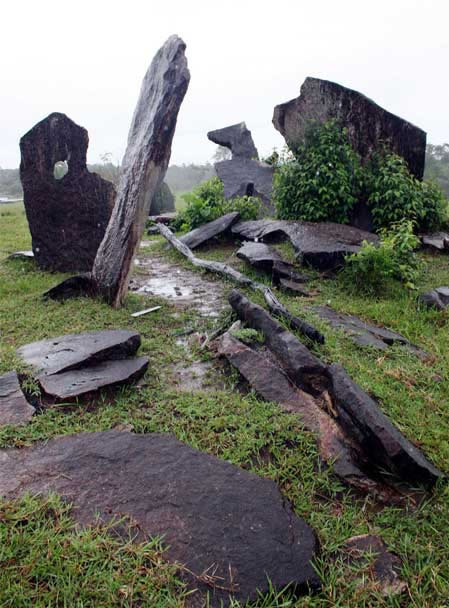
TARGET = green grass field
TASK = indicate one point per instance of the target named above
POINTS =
(45, 561)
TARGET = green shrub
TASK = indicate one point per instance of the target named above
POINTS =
(322, 180)
(207, 202)
(394, 194)
(249, 336)
(376, 266)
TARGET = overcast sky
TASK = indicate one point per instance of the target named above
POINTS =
(87, 59)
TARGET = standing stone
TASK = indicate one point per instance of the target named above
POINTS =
(237, 138)
(14, 408)
(244, 177)
(67, 214)
(163, 201)
(143, 168)
(369, 126)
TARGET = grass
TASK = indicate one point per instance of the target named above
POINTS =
(46, 561)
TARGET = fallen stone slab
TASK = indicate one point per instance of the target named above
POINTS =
(263, 257)
(72, 351)
(362, 419)
(21, 255)
(295, 288)
(322, 245)
(14, 408)
(366, 334)
(436, 240)
(237, 138)
(436, 298)
(369, 126)
(213, 517)
(77, 382)
(243, 177)
(208, 231)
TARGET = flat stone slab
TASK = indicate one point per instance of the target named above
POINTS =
(208, 231)
(214, 517)
(21, 255)
(14, 408)
(294, 288)
(436, 240)
(76, 382)
(322, 245)
(436, 298)
(266, 258)
(366, 334)
(68, 352)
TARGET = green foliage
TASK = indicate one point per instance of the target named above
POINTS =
(249, 335)
(207, 202)
(437, 166)
(394, 194)
(375, 267)
(322, 180)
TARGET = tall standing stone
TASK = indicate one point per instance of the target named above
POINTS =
(143, 168)
(67, 213)
(369, 126)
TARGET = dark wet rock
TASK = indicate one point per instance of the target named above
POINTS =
(381, 568)
(237, 138)
(76, 382)
(67, 216)
(213, 517)
(14, 408)
(21, 255)
(242, 177)
(361, 418)
(369, 126)
(81, 285)
(266, 258)
(321, 245)
(436, 240)
(294, 288)
(299, 363)
(72, 351)
(163, 201)
(436, 298)
(208, 231)
(366, 334)
(143, 167)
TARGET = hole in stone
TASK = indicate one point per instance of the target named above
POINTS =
(60, 169)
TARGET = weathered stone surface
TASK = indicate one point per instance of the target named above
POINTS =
(213, 516)
(366, 334)
(237, 138)
(436, 240)
(369, 126)
(321, 245)
(71, 351)
(436, 298)
(78, 286)
(76, 382)
(163, 201)
(379, 438)
(242, 177)
(200, 235)
(67, 216)
(143, 167)
(299, 363)
(294, 288)
(14, 408)
(269, 260)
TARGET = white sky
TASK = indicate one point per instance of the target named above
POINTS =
(87, 59)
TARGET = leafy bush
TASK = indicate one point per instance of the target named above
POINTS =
(322, 180)
(394, 194)
(207, 202)
(376, 266)
(249, 336)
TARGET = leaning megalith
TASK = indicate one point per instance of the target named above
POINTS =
(369, 126)
(67, 207)
(237, 138)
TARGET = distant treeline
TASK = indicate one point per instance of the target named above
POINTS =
(183, 178)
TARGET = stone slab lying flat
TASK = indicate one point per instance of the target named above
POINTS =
(266, 258)
(213, 516)
(321, 245)
(21, 255)
(436, 298)
(436, 240)
(14, 408)
(366, 334)
(75, 350)
(76, 382)
(203, 233)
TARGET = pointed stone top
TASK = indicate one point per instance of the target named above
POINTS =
(237, 138)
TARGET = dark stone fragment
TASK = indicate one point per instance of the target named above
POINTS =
(163, 201)
(76, 382)
(298, 361)
(436, 240)
(436, 298)
(379, 438)
(366, 334)
(14, 408)
(72, 351)
(321, 245)
(266, 258)
(213, 517)
(294, 288)
(73, 287)
(67, 216)
(247, 177)
(369, 126)
(237, 138)
(203, 233)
